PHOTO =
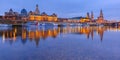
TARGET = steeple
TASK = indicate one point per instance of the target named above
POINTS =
(88, 16)
(37, 12)
(92, 16)
(101, 17)
(101, 13)
(37, 5)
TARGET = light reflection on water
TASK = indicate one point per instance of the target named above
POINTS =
(60, 43)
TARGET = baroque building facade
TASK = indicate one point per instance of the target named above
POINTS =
(23, 15)
(11, 15)
(36, 16)
(85, 19)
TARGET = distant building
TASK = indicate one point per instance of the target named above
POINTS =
(37, 11)
(88, 15)
(92, 16)
(41, 17)
(1, 17)
(11, 15)
(85, 19)
(23, 14)
(100, 18)
(74, 19)
(62, 19)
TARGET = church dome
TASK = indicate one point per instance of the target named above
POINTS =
(54, 15)
(24, 12)
(44, 14)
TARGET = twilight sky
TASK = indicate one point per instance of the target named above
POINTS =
(66, 8)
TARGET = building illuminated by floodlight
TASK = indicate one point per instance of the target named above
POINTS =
(36, 16)
(100, 18)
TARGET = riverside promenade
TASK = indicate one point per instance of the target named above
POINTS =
(22, 22)
(13, 22)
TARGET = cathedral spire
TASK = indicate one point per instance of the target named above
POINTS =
(101, 13)
(92, 16)
(101, 17)
(88, 16)
(37, 12)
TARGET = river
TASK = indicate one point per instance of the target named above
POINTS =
(60, 43)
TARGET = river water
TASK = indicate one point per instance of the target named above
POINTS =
(60, 43)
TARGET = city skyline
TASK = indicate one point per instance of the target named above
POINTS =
(66, 8)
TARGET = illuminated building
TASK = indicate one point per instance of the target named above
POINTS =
(41, 17)
(85, 19)
(11, 15)
(100, 18)
(37, 12)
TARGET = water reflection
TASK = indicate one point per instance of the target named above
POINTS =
(40, 33)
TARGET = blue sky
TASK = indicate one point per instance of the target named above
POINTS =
(66, 8)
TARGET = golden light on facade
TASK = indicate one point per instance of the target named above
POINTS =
(38, 34)
(24, 35)
(3, 36)
(14, 36)
(42, 18)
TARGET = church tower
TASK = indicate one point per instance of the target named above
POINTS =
(88, 16)
(92, 16)
(101, 17)
(101, 14)
(37, 12)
